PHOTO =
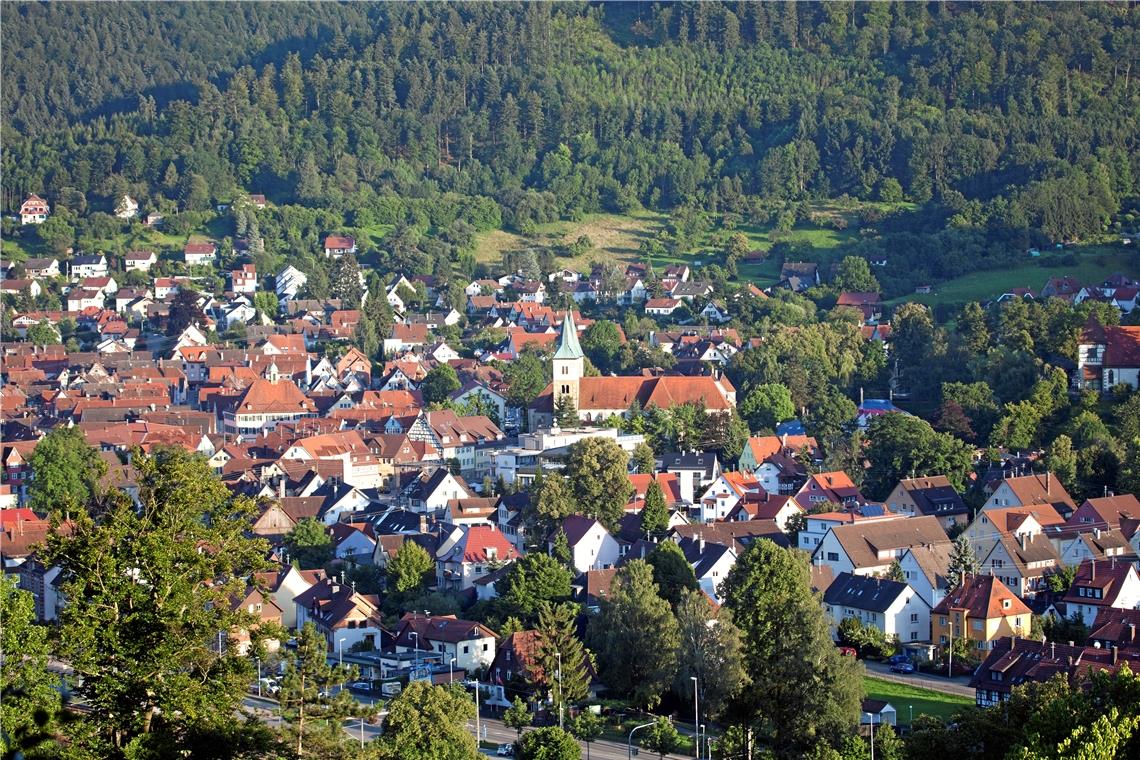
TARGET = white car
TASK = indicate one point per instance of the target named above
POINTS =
(505, 750)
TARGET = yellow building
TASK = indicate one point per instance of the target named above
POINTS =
(982, 609)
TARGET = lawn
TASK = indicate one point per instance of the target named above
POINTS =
(613, 236)
(925, 701)
(1093, 266)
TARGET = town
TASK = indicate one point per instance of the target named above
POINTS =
(548, 380)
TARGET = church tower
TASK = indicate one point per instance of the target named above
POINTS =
(569, 363)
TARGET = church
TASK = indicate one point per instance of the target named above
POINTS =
(598, 398)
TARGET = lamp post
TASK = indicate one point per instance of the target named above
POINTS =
(705, 734)
(416, 649)
(911, 714)
(629, 745)
(559, 674)
(872, 736)
(696, 717)
(258, 675)
(340, 651)
(451, 671)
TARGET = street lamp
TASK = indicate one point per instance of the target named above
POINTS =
(696, 717)
(635, 729)
(911, 714)
(705, 734)
(559, 674)
(416, 648)
(451, 671)
(258, 675)
(340, 651)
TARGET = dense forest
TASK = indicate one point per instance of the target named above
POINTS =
(1011, 119)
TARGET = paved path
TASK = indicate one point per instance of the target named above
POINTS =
(958, 686)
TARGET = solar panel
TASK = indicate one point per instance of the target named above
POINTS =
(873, 510)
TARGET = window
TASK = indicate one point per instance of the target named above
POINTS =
(977, 625)
(914, 635)
(833, 556)
(914, 617)
(466, 649)
(484, 647)
(942, 621)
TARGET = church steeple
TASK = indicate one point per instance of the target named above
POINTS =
(568, 346)
(569, 363)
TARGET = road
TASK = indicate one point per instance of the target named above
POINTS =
(599, 750)
(958, 686)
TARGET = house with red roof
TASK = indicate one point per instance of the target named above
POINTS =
(339, 245)
(266, 402)
(34, 210)
(1108, 356)
(982, 609)
(825, 491)
(471, 644)
(724, 493)
(476, 551)
(202, 252)
(1101, 585)
(343, 616)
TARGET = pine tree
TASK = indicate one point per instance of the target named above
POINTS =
(557, 641)
(654, 515)
(565, 412)
(315, 714)
(560, 549)
(962, 558)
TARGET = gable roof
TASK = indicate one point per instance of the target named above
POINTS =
(984, 597)
(864, 542)
(863, 592)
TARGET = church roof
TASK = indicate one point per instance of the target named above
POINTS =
(568, 347)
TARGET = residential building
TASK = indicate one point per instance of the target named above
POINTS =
(339, 245)
(475, 552)
(344, 617)
(982, 609)
(195, 254)
(34, 210)
(471, 644)
(891, 607)
(931, 496)
(869, 548)
(1031, 491)
(140, 261)
(591, 545)
(1100, 585)
(88, 265)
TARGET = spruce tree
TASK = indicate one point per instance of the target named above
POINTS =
(654, 515)
(962, 559)
(557, 641)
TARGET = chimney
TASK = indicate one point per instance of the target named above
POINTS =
(701, 544)
(1092, 569)
(1047, 481)
(1131, 633)
(1024, 541)
(1115, 653)
(281, 488)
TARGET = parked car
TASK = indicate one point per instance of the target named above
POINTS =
(895, 659)
(848, 652)
(505, 750)
(268, 686)
(902, 667)
(360, 686)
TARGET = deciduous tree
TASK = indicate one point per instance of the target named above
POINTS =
(65, 472)
(428, 722)
(635, 636)
(597, 469)
(712, 650)
(801, 688)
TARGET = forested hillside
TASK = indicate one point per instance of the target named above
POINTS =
(1009, 121)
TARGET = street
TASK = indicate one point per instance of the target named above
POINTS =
(959, 685)
(599, 750)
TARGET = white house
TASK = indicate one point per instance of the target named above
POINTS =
(290, 280)
(869, 548)
(1103, 584)
(445, 636)
(430, 493)
(89, 265)
(127, 208)
(34, 210)
(591, 545)
(196, 254)
(719, 499)
(141, 261)
(711, 562)
(894, 608)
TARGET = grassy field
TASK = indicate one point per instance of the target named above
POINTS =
(613, 236)
(925, 702)
(1093, 266)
